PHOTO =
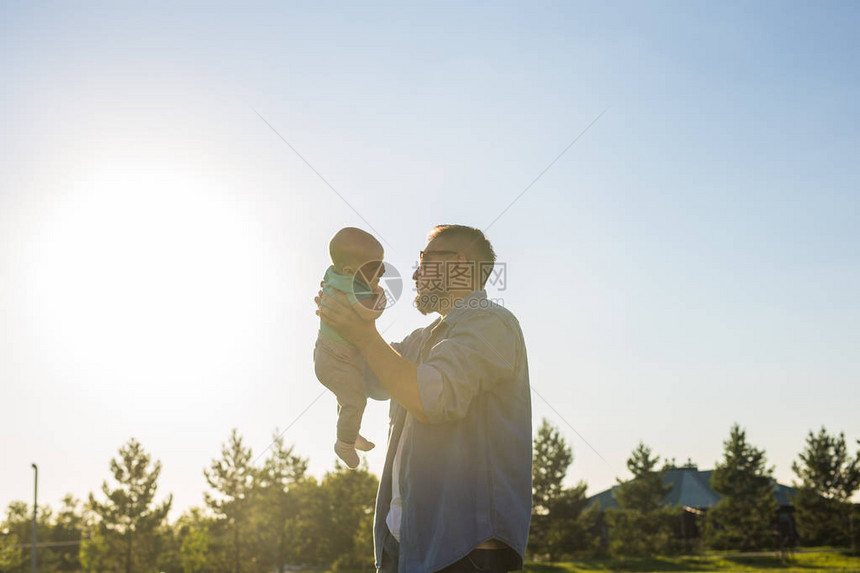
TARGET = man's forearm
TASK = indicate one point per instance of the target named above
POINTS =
(398, 375)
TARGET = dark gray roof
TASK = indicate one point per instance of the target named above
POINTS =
(690, 488)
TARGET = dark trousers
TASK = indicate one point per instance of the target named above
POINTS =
(478, 561)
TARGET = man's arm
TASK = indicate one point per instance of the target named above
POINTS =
(397, 375)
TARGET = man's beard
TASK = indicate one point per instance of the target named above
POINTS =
(427, 303)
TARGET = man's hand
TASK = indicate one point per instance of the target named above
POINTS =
(334, 310)
(397, 375)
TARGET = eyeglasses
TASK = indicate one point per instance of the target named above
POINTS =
(421, 254)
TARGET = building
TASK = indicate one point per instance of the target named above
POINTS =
(691, 490)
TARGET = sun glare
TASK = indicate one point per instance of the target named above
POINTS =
(144, 276)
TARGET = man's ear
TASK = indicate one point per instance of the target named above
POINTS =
(348, 270)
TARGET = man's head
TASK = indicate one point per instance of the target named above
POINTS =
(457, 260)
(357, 253)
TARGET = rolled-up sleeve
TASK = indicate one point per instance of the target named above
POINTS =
(479, 352)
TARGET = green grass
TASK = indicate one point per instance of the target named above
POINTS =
(805, 562)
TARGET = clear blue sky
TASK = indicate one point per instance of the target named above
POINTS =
(692, 261)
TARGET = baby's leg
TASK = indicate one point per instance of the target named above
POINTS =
(350, 411)
(352, 403)
(361, 443)
(341, 369)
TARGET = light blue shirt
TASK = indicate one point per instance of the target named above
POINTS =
(465, 476)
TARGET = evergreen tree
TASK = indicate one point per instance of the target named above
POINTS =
(570, 529)
(349, 498)
(551, 458)
(194, 539)
(645, 492)
(559, 524)
(128, 520)
(275, 504)
(829, 477)
(232, 477)
(642, 525)
(308, 530)
(744, 517)
(194, 550)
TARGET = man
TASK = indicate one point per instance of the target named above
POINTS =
(455, 493)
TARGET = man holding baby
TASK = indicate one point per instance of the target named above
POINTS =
(455, 493)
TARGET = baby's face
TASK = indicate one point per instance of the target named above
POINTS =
(371, 272)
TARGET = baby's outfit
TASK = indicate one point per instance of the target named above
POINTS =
(340, 367)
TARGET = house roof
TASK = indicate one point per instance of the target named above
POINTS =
(691, 487)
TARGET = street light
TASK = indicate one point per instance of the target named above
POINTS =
(35, 511)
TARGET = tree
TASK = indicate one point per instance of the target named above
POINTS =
(232, 478)
(275, 504)
(829, 477)
(642, 525)
(67, 528)
(743, 519)
(11, 556)
(349, 497)
(551, 458)
(195, 546)
(128, 520)
(193, 536)
(559, 526)
(570, 528)
(19, 524)
(645, 492)
(16, 529)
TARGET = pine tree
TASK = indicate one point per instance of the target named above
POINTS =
(348, 499)
(232, 478)
(829, 477)
(552, 456)
(744, 517)
(559, 525)
(645, 492)
(193, 537)
(276, 504)
(128, 520)
(642, 525)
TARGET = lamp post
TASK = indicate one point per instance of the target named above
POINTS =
(35, 512)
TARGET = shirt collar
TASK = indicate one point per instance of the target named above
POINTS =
(468, 301)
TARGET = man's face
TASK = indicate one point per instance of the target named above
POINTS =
(431, 275)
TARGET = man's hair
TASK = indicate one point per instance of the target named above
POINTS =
(472, 242)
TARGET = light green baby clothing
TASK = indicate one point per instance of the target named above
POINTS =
(355, 290)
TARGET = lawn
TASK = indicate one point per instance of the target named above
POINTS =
(806, 561)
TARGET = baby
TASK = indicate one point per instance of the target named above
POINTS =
(356, 258)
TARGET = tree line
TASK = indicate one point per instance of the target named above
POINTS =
(261, 517)
(274, 515)
(746, 518)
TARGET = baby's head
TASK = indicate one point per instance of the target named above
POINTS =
(357, 253)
